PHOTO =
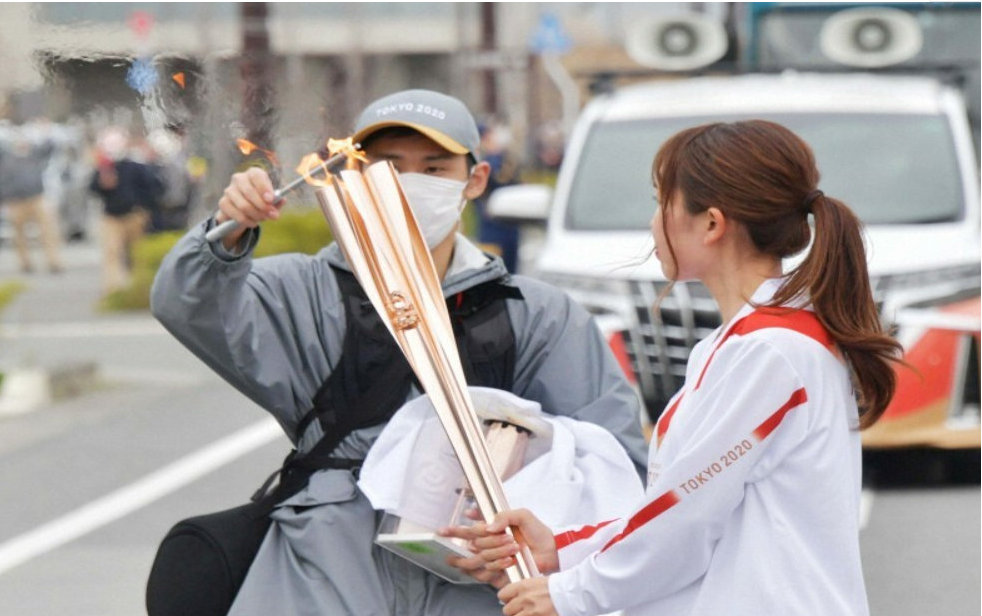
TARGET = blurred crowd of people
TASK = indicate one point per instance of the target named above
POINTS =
(55, 177)
(498, 148)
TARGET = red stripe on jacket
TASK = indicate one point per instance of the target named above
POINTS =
(802, 321)
(666, 419)
(669, 499)
(798, 398)
(650, 511)
(572, 536)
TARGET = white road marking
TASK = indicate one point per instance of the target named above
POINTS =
(83, 329)
(128, 499)
(119, 373)
(865, 508)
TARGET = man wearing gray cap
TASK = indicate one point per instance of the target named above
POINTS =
(292, 332)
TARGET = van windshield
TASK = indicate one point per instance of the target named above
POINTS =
(889, 168)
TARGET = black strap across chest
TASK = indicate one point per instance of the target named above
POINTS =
(373, 377)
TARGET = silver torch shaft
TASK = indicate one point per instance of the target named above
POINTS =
(279, 194)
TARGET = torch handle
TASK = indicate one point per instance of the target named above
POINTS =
(228, 226)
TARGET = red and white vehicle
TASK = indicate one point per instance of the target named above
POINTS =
(898, 150)
(937, 400)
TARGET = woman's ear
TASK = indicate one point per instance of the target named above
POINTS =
(716, 225)
(477, 181)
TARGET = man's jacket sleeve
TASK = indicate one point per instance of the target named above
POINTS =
(271, 327)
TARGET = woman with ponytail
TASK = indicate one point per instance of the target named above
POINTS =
(752, 499)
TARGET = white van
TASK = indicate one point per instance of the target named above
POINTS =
(898, 150)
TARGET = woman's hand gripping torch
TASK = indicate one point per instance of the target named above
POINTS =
(343, 149)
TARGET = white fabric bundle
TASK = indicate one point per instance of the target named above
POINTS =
(575, 472)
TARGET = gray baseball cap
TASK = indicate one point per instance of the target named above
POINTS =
(442, 118)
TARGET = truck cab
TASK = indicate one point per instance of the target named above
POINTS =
(898, 149)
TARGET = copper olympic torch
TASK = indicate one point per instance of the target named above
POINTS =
(373, 224)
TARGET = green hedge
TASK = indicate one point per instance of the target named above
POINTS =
(298, 230)
(8, 291)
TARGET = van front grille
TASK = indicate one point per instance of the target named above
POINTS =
(659, 352)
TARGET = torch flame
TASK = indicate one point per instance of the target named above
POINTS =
(316, 162)
(348, 148)
(247, 147)
(310, 163)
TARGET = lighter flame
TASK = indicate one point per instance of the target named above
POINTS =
(247, 147)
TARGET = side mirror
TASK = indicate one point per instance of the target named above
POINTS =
(523, 203)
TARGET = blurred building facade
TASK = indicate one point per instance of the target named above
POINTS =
(331, 58)
(287, 75)
(319, 62)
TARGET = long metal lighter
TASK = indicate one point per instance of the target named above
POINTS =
(223, 229)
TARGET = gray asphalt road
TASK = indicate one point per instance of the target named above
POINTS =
(158, 405)
(921, 552)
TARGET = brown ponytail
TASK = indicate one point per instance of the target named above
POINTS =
(764, 176)
(835, 277)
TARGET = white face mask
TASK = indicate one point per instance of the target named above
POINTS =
(436, 203)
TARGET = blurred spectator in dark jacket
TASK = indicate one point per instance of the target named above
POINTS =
(170, 163)
(498, 236)
(129, 190)
(23, 160)
(549, 146)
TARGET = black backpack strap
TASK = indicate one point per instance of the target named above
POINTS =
(485, 337)
(373, 378)
(351, 397)
(367, 347)
(295, 472)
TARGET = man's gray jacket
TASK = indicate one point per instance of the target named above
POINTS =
(273, 328)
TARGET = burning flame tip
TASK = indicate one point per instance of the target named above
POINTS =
(317, 161)
(308, 164)
(179, 79)
(348, 148)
